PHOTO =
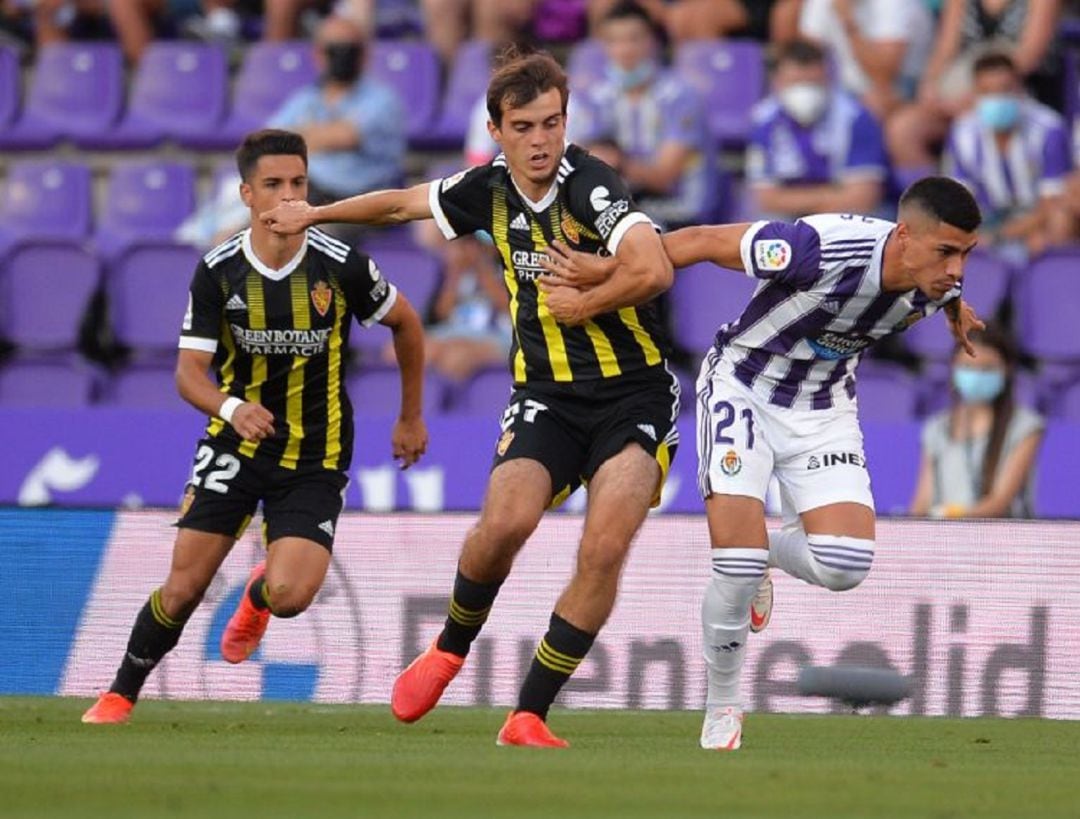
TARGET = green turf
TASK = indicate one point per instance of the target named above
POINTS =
(262, 760)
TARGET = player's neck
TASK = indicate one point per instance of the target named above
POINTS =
(894, 277)
(272, 249)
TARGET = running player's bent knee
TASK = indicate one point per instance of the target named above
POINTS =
(289, 601)
(840, 563)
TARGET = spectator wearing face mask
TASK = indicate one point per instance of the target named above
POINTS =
(353, 125)
(814, 148)
(978, 456)
(1014, 154)
(647, 124)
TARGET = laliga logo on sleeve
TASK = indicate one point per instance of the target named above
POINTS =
(599, 198)
(772, 254)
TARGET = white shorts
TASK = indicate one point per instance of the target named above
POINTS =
(743, 440)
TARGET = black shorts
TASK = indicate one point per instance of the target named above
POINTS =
(226, 487)
(572, 428)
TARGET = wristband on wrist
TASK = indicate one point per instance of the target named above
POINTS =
(228, 407)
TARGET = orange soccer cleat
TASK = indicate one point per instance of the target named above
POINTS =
(248, 624)
(417, 689)
(526, 729)
(110, 709)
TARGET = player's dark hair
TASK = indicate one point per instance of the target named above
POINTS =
(630, 10)
(998, 339)
(994, 61)
(268, 142)
(800, 52)
(520, 77)
(944, 199)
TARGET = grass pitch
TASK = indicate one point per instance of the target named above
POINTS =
(264, 760)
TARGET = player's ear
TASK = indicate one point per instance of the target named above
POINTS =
(245, 193)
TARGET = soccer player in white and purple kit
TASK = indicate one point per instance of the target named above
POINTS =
(776, 395)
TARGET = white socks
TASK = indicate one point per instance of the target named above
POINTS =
(838, 563)
(725, 618)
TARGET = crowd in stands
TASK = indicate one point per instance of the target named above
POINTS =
(713, 110)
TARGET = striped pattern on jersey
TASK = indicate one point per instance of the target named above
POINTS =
(798, 346)
(305, 392)
(607, 346)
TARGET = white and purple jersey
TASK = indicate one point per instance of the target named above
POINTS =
(818, 306)
(845, 144)
(1034, 165)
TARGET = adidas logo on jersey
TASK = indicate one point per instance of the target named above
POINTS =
(520, 222)
(648, 429)
(831, 306)
(235, 303)
(328, 527)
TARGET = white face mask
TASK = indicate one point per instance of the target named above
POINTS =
(805, 102)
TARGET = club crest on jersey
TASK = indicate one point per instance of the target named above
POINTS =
(570, 229)
(321, 297)
(505, 440)
(908, 320)
(731, 463)
(772, 254)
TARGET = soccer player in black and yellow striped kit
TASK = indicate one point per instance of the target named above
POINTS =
(271, 316)
(592, 403)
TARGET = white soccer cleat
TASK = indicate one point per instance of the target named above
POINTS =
(722, 729)
(761, 605)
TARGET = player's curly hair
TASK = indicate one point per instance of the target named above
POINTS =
(521, 75)
(268, 142)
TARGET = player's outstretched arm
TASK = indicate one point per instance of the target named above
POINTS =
(252, 421)
(642, 272)
(719, 244)
(409, 437)
(389, 207)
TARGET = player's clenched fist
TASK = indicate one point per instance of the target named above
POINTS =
(409, 441)
(252, 421)
(288, 217)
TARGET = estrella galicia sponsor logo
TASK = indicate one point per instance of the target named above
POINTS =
(606, 221)
(731, 463)
(599, 198)
(836, 459)
(832, 346)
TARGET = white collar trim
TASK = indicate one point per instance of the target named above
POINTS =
(545, 202)
(269, 272)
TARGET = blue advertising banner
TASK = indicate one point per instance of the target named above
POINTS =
(133, 458)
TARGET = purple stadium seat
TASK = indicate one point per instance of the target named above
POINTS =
(704, 297)
(269, 74)
(466, 84)
(46, 289)
(9, 87)
(377, 391)
(560, 21)
(417, 275)
(586, 64)
(486, 394)
(147, 290)
(412, 70)
(1048, 306)
(77, 92)
(986, 286)
(730, 75)
(1069, 404)
(38, 384)
(885, 393)
(147, 200)
(179, 92)
(44, 199)
(145, 387)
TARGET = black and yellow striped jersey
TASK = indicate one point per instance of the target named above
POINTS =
(279, 338)
(590, 209)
